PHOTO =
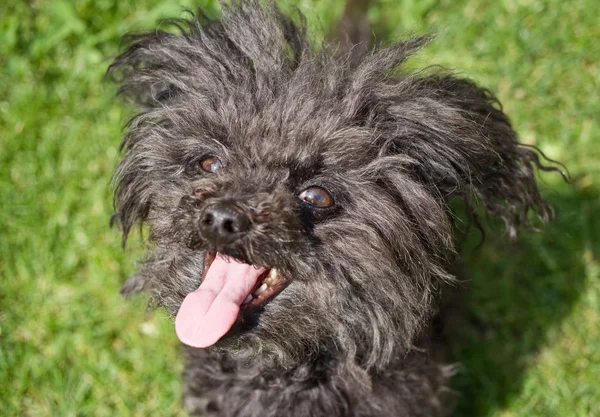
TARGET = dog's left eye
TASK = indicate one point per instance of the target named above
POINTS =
(211, 164)
(316, 196)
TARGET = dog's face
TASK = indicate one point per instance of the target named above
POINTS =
(315, 201)
(297, 203)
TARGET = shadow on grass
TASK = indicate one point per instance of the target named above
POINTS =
(517, 292)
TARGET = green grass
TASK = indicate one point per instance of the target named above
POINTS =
(70, 346)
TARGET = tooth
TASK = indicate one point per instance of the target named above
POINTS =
(272, 278)
(248, 299)
(261, 289)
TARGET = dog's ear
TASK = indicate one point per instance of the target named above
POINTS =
(457, 138)
(465, 146)
(146, 71)
(146, 77)
(200, 55)
(156, 66)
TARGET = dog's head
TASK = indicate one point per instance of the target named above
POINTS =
(307, 193)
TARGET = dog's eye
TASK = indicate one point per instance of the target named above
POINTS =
(317, 196)
(211, 164)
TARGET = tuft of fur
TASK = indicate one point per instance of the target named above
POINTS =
(348, 337)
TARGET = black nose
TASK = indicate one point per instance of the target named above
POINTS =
(223, 223)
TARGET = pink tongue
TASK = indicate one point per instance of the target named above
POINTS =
(209, 312)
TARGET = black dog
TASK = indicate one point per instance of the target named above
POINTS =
(298, 206)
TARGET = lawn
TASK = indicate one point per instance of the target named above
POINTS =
(71, 346)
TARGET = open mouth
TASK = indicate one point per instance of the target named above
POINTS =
(268, 284)
(228, 286)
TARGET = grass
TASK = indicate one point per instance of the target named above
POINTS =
(70, 346)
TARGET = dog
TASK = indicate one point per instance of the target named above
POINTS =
(298, 202)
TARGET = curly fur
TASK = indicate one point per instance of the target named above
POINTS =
(348, 337)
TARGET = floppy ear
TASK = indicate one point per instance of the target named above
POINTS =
(465, 146)
(204, 53)
(455, 134)
(149, 79)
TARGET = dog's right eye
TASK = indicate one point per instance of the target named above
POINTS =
(317, 196)
(211, 164)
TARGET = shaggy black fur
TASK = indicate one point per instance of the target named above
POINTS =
(349, 335)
